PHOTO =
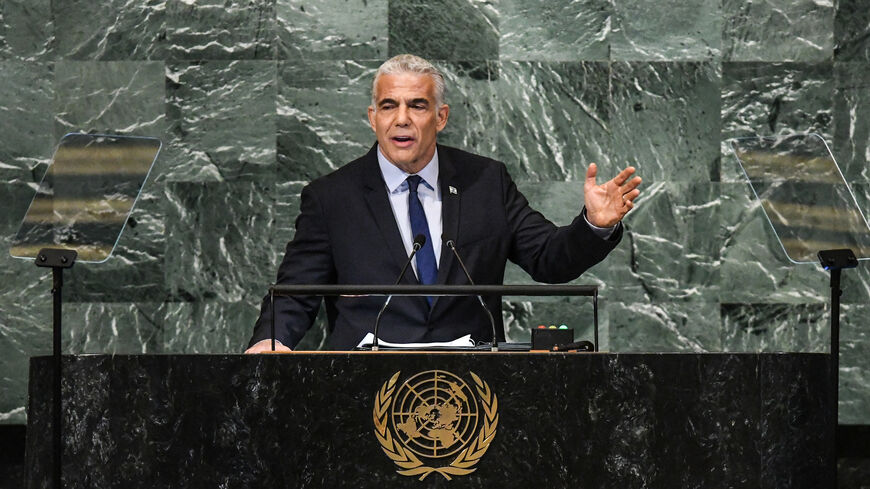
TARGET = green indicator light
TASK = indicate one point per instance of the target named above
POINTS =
(563, 327)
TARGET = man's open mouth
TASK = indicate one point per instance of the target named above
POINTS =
(403, 141)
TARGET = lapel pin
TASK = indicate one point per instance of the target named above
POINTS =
(452, 190)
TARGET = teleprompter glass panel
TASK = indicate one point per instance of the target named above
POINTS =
(804, 195)
(86, 195)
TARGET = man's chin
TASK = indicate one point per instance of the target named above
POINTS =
(401, 159)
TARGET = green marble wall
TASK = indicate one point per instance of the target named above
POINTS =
(253, 99)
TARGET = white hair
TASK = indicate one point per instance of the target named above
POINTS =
(408, 63)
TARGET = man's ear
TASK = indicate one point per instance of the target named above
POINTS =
(443, 113)
(372, 118)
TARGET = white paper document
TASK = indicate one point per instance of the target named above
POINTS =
(463, 341)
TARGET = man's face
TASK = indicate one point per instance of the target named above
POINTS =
(406, 121)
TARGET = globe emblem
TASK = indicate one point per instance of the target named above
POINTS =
(434, 414)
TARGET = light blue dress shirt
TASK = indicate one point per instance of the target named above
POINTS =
(430, 197)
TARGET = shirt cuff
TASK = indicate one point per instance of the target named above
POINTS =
(603, 233)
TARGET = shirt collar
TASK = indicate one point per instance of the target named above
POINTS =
(395, 176)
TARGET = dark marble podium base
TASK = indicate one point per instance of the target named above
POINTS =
(565, 420)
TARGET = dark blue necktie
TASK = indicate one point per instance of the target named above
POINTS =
(427, 269)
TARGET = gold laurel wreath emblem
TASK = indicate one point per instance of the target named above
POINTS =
(465, 461)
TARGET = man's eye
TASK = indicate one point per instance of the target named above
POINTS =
(387, 106)
(418, 106)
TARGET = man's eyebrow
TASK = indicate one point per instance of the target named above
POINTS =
(387, 101)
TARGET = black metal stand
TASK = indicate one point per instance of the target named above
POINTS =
(57, 260)
(835, 261)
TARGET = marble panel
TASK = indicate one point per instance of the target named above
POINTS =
(557, 30)
(221, 29)
(851, 142)
(222, 121)
(854, 394)
(797, 407)
(778, 30)
(322, 119)
(26, 116)
(554, 119)
(471, 94)
(690, 397)
(454, 30)
(852, 31)
(26, 29)
(218, 240)
(118, 328)
(560, 202)
(665, 120)
(356, 29)
(772, 327)
(774, 99)
(663, 326)
(666, 30)
(657, 420)
(754, 266)
(122, 97)
(671, 247)
(135, 30)
(208, 327)
(154, 29)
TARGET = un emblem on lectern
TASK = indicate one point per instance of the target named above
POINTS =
(435, 422)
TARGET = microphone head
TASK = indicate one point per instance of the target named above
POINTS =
(447, 241)
(419, 241)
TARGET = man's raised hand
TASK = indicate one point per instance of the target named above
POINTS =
(608, 203)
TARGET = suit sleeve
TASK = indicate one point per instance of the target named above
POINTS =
(549, 253)
(307, 260)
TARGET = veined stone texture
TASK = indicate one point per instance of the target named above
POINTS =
(355, 29)
(556, 30)
(685, 30)
(254, 99)
(211, 103)
(554, 119)
(779, 30)
(164, 29)
(25, 29)
(852, 31)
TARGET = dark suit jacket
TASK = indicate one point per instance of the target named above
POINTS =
(346, 234)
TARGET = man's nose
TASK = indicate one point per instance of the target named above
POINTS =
(402, 118)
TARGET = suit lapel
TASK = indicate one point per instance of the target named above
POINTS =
(375, 191)
(451, 193)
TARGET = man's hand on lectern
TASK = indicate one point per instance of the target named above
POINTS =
(608, 203)
(265, 346)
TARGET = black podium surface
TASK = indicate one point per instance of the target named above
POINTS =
(526, 420)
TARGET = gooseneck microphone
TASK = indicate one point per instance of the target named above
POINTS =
(419, 241)
(450, 244)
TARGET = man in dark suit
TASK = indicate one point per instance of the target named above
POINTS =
(357, 226)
